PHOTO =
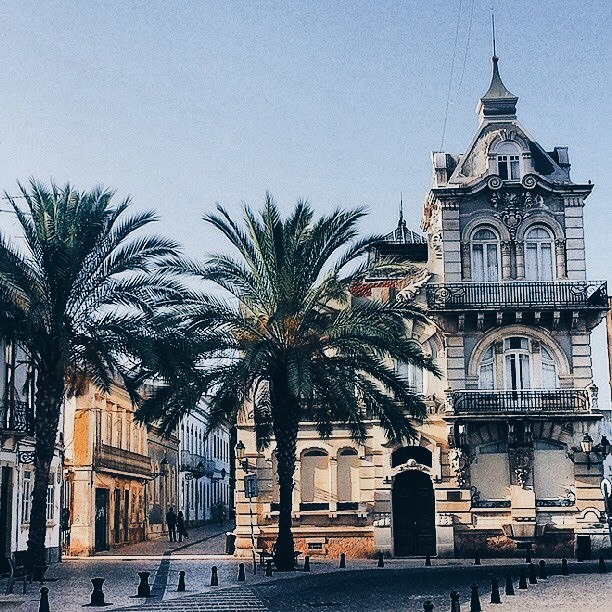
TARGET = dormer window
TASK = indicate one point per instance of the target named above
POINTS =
(508, 162)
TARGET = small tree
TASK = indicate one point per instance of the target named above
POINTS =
(79, 293)
(290, 324)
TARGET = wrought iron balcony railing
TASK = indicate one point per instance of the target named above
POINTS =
(121, 460)
(197, 464)
(518, 294)
(17, 417)
(526, 401)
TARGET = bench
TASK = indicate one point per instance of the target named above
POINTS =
(264, 555)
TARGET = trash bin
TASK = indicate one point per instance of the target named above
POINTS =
(230, 543)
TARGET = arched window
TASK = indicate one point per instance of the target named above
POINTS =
(508, 162)
(314, 481)
(485, 256)
(486, 371)
(538, 255)
(524, 363)
(348, 478)
(412, 374)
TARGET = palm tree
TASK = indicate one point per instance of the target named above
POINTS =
(290, 339)
(78, 292)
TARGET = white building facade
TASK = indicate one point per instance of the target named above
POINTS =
(204, 483)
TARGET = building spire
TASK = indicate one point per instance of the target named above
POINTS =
(498, 102)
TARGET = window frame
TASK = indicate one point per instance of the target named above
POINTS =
(480, 270)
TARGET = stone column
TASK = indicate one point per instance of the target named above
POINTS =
(560, 258)
(333, 484)
(506, 248)
(520, 260)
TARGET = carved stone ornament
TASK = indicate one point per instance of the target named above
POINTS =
(460, 464)
(436, 244)
(413, 286)
(513, 204)
(521, 462)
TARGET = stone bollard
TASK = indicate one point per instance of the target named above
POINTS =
(241, 574)
(144, 588)
(542, 573)
(97, 595)
(523, 578)
(601, 566)
(476, 558)
(181, 584)
(428, 561)
(269, 568)
(495, 599)
(532, 574)
(306, 563)
(564, 568)
(428, 606)
(475, 599)
(214, 577)
(381, 561)
(455, 605)
(342, 561)
(43, 605)
(509, 585)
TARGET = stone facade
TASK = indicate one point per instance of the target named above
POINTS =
(499, 463)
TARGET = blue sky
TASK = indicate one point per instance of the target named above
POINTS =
(185, 104)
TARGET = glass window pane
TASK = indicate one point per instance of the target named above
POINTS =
(524, 380)
(492, 263)
(502, 167)
(531, 262)
(486, 376)
(546, 273)
(478, 270)
(514, 169)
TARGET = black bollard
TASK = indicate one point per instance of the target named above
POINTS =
(241, 575)
(495, 591)
(269, 568)
(306, 563)
(523, 578)
(509, 585)
(564, 568)
(43, 605)
(528, 555)
(455, 605)
(381, 561)
(342, 561)
(144, 588)
(542, 573)
(601, 566)
(181, 584)
(97, 595)
(532, 574)
(214, 577)
(475, 599)
(427, 561)
(476, 558)
(428, 606)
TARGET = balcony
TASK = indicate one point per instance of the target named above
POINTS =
(196, 464)
(121, 460)
(17, 417)
(563, 295)
(530, 402)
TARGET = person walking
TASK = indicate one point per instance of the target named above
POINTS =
(180, 526)
(171, 522)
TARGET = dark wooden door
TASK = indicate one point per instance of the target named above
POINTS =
(101, 526)
(414, 531)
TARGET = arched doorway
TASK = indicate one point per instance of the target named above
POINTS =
(414, 531)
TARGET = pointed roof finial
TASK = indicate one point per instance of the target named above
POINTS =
(401, 216)
(498, 101)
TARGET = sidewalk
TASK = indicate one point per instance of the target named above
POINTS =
(205, 540)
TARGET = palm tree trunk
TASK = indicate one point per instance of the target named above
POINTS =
(49, 395)
(285, 422)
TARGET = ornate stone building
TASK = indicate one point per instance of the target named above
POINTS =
(510, 453)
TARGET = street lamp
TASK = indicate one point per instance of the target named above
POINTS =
(163, 469)
(244, 463)
(586, 444)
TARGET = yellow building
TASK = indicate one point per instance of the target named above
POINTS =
(107, 469)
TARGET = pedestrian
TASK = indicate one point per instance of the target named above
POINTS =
(171, 522)
(180, 526)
